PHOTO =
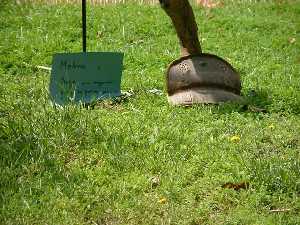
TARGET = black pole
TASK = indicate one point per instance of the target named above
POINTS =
(84, 25)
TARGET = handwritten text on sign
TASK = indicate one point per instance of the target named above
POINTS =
(85, 77)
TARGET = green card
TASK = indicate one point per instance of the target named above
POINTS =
(85, 77)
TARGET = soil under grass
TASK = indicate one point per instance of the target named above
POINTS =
(140, 160)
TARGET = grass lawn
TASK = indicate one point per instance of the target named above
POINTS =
(142, 161)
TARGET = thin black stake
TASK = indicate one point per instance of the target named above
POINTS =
(84, 25)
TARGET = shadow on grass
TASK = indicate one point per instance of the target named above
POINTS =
(259, 102)
(252, 102)
(115, 103)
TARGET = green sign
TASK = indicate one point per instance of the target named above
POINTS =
(85, 77)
